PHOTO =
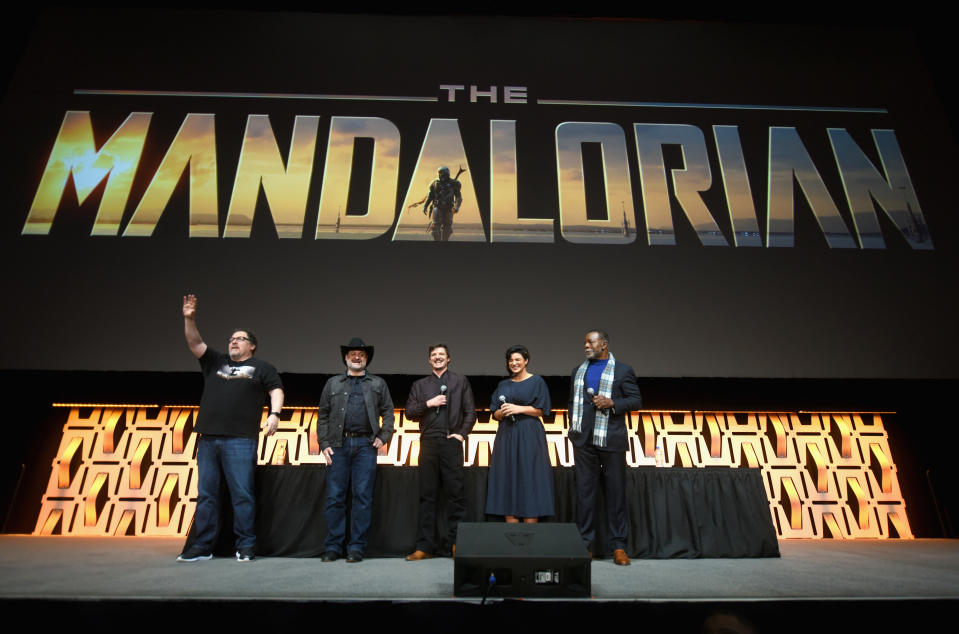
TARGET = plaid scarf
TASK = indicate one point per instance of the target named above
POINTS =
(601, 423)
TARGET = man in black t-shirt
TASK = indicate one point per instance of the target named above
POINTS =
(235, 389)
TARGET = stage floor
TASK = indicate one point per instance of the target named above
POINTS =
(128, 568)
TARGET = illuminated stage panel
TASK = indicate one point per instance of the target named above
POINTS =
(290, 442)
(122, 470)
(560, 449)
(777, 447)
(404, 448)
(745, 439)
(643, 430)
(816, 461)
(712, 439)
(479, 444)
(787, 502)
(131, 470)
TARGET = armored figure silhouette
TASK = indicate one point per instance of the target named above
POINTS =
(442, 202)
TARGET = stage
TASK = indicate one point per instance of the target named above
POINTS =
(146, 568)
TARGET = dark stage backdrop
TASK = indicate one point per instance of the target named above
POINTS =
(726, 200)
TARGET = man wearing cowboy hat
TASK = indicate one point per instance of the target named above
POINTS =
(350, 432)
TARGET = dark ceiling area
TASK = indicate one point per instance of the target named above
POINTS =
(934, 36)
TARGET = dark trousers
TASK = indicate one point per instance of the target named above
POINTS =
(440, 462)
(593, 464)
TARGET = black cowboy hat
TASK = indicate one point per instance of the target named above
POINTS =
(356, 344)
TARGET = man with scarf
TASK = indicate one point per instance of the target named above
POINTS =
(603, 390)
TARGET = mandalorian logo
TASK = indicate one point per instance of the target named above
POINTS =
(867, 161)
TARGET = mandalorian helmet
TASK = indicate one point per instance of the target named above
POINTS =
(444, 173)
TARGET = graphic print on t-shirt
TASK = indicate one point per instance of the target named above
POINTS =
(236, 371)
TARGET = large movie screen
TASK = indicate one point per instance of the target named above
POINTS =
(724, 200)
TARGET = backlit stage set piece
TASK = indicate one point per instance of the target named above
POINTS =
(130, 470)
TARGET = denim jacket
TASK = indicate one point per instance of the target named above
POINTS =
(332, 409)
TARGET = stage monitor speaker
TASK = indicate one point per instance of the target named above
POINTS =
(520, 560)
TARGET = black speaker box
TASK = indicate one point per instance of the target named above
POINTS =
(524, 560)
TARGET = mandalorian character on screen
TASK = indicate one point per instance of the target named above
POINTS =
(442, 202)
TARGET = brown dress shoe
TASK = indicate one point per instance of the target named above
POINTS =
(418, 555)
(620, 558)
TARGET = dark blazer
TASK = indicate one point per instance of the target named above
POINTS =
(626, 398)
(459, 400)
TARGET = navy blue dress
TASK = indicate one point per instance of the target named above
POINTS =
(520, 476)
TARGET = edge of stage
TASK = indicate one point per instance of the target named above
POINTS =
(816, 583)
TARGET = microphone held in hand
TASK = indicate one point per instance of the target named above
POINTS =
(502, 399)
(592, 394)
(442, 392)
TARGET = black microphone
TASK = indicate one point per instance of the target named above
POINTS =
(442, 392)
(502, 399)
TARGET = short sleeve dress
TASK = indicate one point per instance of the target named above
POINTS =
(520, 476)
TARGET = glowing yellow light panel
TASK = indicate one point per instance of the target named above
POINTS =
(131, 469)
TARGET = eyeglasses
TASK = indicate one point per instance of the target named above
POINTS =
(238, 339)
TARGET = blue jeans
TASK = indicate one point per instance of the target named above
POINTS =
(234, 459)
(354, 462)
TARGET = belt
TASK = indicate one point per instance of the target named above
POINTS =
(356, 434)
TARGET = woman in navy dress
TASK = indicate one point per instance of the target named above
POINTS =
(520, 476)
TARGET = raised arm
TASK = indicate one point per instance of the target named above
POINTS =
(193, 338)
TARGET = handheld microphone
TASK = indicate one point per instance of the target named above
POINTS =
(502, 399)
(592, 393)
(442, 392)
